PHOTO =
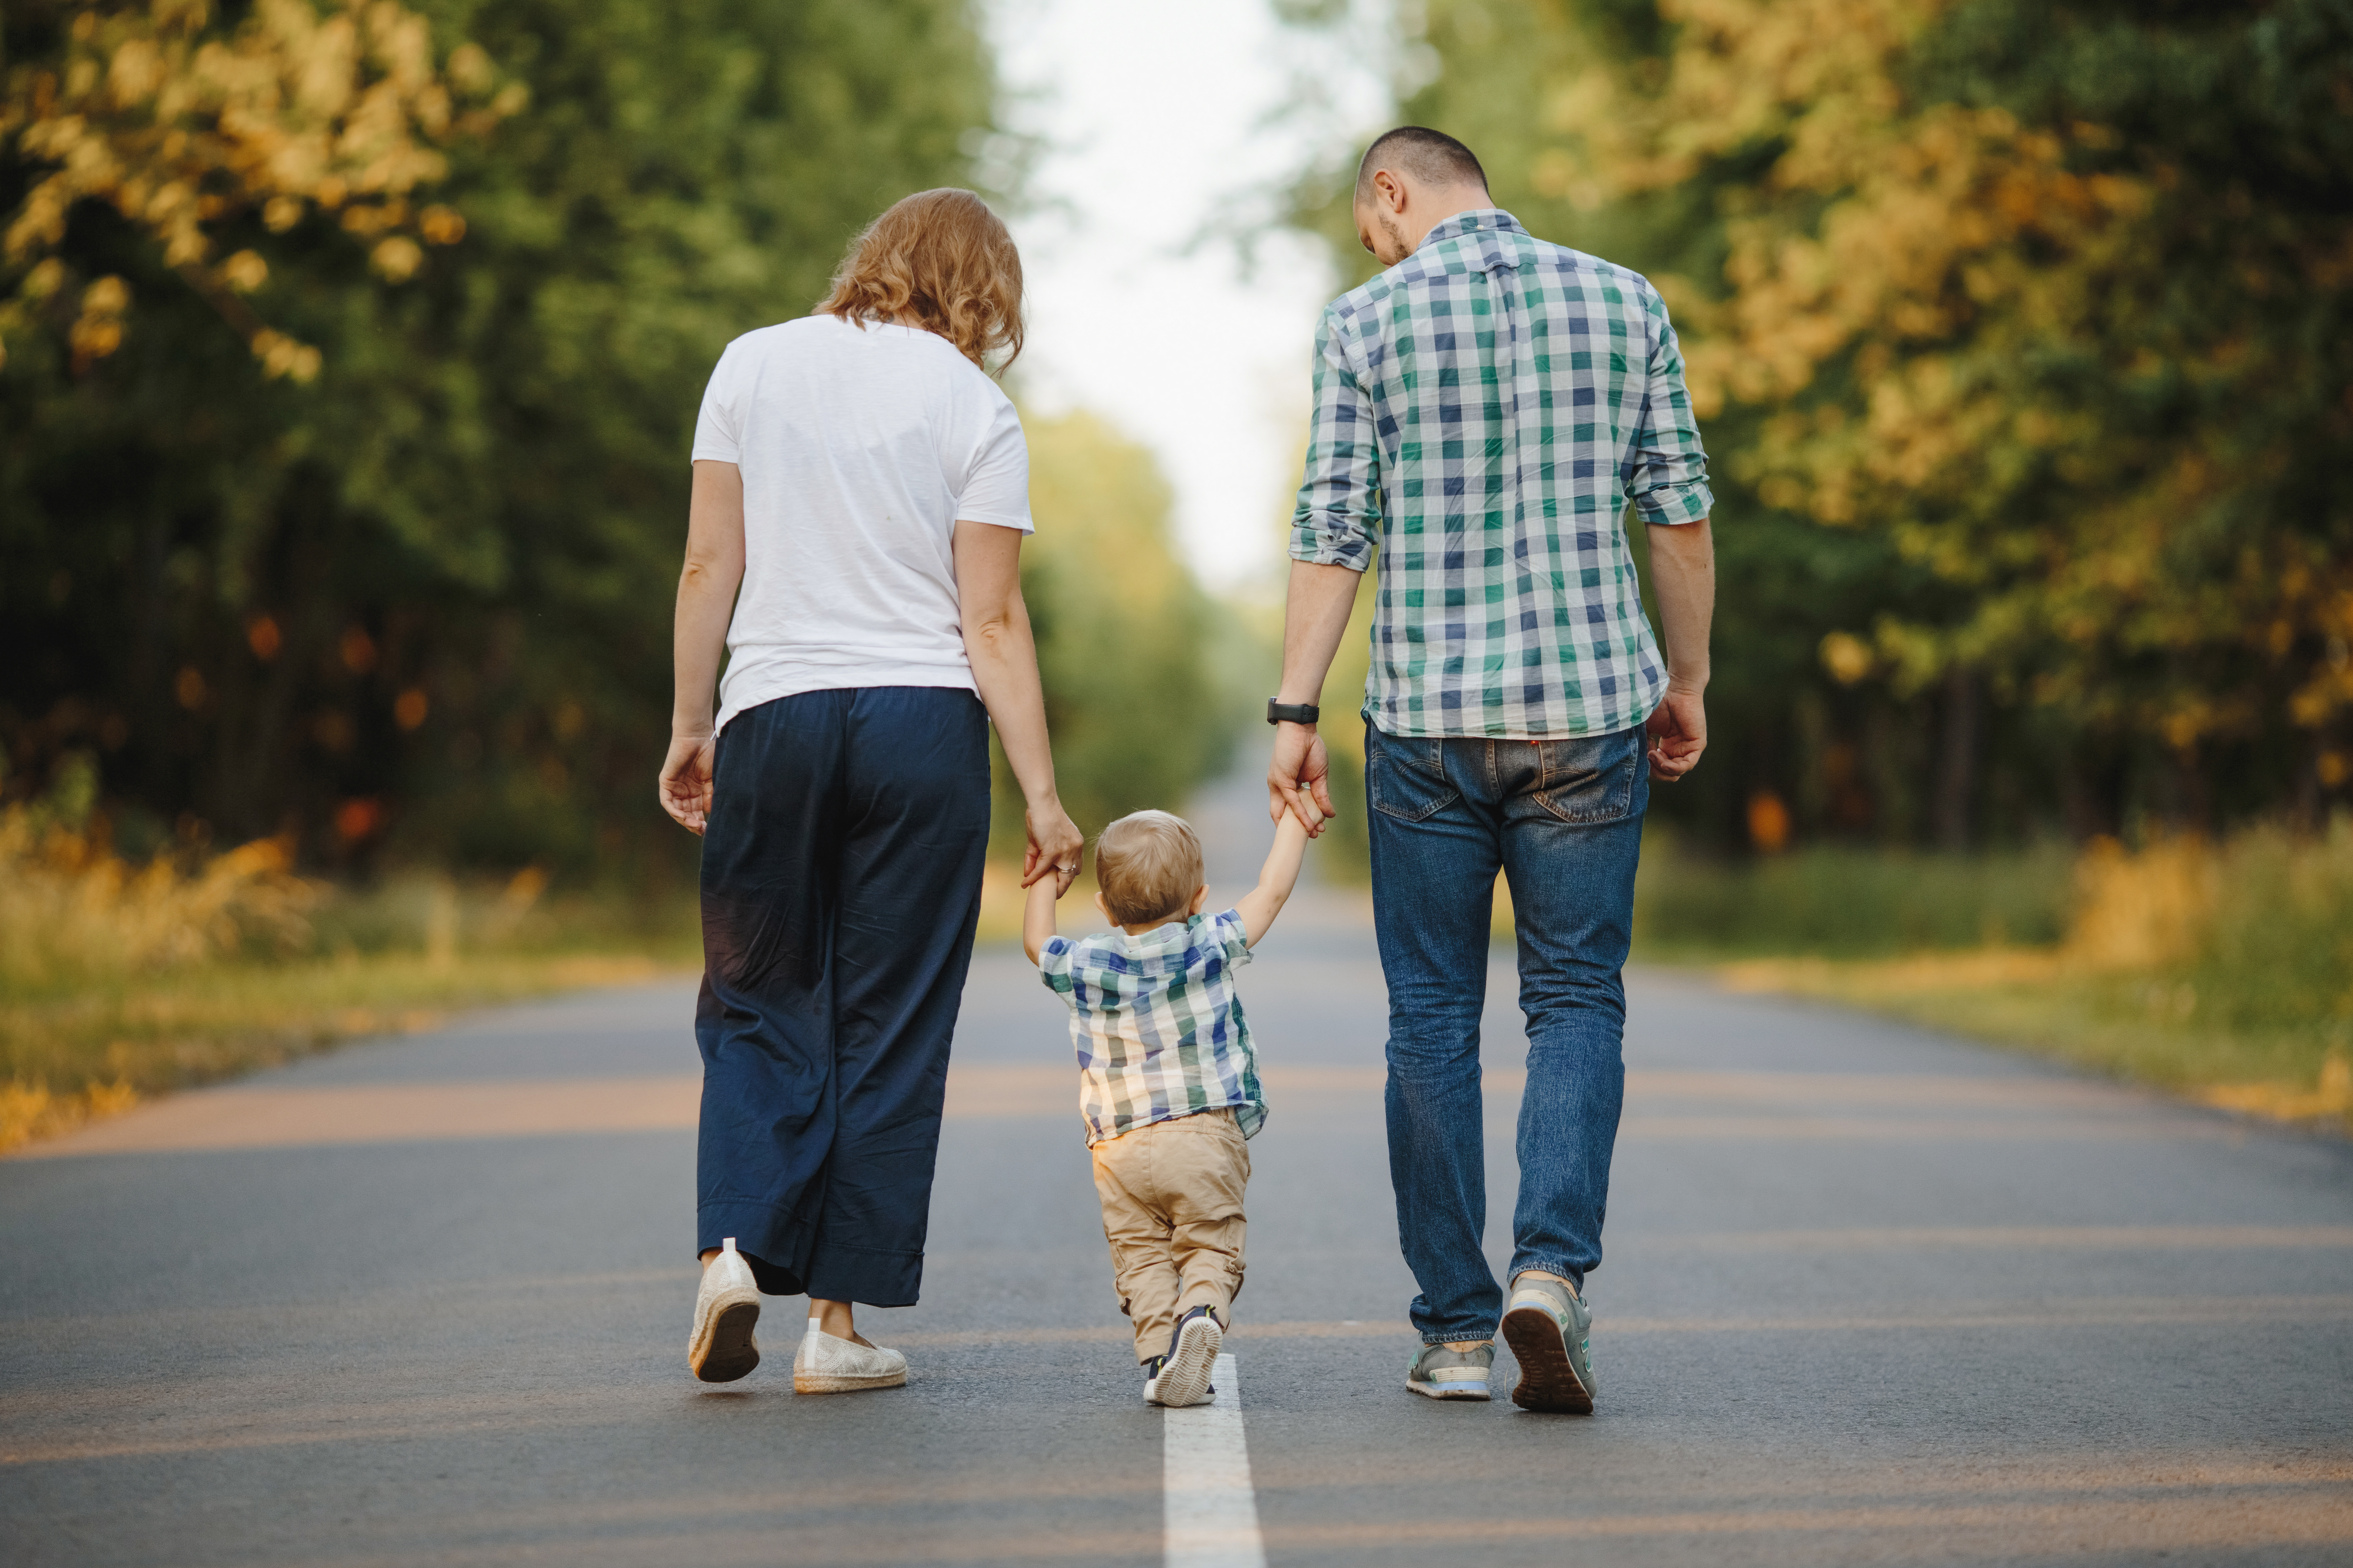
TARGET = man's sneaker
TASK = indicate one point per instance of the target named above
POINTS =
(1442, 1373)
(1551, 1332)
(725, 1310)
(825, 1364)
(1184, 1373)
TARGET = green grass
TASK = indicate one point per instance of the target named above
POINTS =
(1848, 903)
(2224, 972)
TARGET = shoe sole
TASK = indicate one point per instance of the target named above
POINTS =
(1548, 1379)
(847, 1383)
(722, 1348)
(1449, 1390)
(1185, 1379)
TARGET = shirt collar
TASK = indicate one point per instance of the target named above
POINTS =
(1174, 935)
(1495, 220)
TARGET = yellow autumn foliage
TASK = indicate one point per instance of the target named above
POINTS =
(71, 911)
(183, 127)
(1955, 326)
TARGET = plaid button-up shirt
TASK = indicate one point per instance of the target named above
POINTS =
(1485, 410)
(1158, 1028)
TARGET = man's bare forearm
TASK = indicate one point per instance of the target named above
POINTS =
(1315, 618)
(1682, 579)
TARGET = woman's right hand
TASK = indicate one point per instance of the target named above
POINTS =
(685, 785)
(1055, 845)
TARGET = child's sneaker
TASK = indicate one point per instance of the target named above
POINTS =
(1437, 1372)
(1182, 1376)
(1551, 1332)
(726, 1309)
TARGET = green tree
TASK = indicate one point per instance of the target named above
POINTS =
(421, 602)
(2020, 334)
(1137, 714)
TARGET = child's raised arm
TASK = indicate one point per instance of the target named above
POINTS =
(1037, 914)
(1259, 907)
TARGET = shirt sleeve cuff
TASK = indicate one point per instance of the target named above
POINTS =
(1331, 547)
(1019, 520)
(706, 452)
(1673, 504)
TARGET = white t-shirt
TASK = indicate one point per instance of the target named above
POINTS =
(861, 447)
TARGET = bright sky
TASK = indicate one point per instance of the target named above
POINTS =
(1159, 124)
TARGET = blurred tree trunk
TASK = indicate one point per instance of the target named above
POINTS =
(1957, 761)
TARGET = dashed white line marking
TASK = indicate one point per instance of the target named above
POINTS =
(1212, 1509)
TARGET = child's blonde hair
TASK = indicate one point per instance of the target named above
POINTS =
(1148, 865)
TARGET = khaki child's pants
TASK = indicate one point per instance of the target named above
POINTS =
(1172, 1209)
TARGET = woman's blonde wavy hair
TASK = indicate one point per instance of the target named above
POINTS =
(943, 261)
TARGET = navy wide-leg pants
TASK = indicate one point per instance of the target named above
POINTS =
(841, 871)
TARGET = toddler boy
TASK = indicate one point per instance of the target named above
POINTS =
(1167, 1081)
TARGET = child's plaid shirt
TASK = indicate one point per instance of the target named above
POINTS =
(1158, 1028)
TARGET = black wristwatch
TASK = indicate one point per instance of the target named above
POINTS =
(1279, 712)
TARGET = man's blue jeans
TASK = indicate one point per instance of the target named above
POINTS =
(1563, 821)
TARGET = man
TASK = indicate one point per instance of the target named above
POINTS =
(1485, 410)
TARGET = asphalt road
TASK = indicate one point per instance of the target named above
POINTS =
(1872, 1296)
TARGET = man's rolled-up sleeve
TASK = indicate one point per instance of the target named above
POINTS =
(1339, 511)
(1666, 477)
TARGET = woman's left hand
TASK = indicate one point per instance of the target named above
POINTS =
(1055, 845)
(685, 785)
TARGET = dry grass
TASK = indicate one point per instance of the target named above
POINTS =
(121, 981)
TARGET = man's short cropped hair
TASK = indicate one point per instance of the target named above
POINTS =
(1430, 157)
(1148, 865)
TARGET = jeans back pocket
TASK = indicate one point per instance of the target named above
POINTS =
(1594, 778)
(1405, 778)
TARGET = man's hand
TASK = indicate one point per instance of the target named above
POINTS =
(1299, 780)
(685, 786)
(1678, 731)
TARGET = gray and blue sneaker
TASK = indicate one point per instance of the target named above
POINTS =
(1181, 1377)
(1441, 1374)
(1551, 1332)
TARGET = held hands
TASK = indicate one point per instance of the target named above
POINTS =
(1047, 871)
(1678, 731)
(685, 785)
(1299, 779)
(1055, 845)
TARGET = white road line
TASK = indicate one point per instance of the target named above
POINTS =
(1212, 1509)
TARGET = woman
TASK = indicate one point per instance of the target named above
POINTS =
(863, 481)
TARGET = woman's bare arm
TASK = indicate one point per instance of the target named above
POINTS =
(706, 602)
(1003, 654)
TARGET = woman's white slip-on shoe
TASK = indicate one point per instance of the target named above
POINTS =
(825, 1364)
(726, 1309)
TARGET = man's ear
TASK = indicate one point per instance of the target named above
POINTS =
(1389, 190)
